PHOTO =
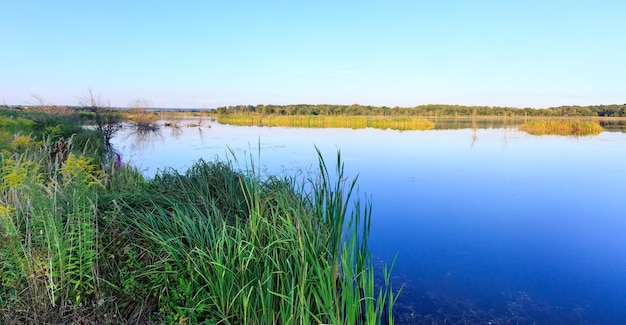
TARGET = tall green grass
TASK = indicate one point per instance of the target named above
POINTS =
(229, 248)
(82, 240)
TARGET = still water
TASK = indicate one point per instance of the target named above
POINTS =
(490, 226)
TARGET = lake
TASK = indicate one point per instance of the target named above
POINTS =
(490, 225)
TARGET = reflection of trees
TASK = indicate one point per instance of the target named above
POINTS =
(474, 129)
(614, 125)
(143, 138)
(175, 130)
(201, 134)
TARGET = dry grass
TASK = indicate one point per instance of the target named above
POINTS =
(143, 119)
(561, 127)
(351, 122)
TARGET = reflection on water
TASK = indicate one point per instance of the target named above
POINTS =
(614, 125)
(143, 139)
(489, 224)
(447, 123)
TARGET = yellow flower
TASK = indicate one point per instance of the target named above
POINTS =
(15, 174)
(5, 210)
(5, 219)
(80, 168)
(22, 142)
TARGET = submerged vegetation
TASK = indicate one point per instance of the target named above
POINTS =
(561, 127)
(87, 240)
(353, 122)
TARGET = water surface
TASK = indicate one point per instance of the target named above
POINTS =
(489, 225)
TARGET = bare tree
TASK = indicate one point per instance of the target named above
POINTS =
(141, 104)
(143, 116)
(107, 120)
(50, 109)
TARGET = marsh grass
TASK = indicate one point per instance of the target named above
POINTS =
(234, 249)
(352, 122)
(83, 240)
(561, 127)
(401, 124)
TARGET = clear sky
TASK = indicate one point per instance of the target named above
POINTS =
(205, 54)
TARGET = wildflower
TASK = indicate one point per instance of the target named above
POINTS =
(81, 169)
(5, 210)
(119, 160)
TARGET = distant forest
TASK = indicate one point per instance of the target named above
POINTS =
(432, 110)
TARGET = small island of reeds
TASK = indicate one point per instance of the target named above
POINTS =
(311, 121)
(561, 127)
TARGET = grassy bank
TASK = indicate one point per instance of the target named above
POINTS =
(352, 122)
(561, 127)
(83, 240)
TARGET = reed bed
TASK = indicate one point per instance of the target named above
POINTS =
(85, 240)
(231, 248)
(561, 127)
(401, 124)
(295, 121)
(304, 121)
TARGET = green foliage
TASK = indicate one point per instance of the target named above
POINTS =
(39, 125)
(49, 221)
(430, 110)
(82, 240)
(226, 247)
(49, 228)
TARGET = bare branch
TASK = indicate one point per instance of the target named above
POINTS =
(51, 109)
(143, 115)
(93, 101)
(39, 100)
(107, 120)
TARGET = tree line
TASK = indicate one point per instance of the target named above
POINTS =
(431, 110)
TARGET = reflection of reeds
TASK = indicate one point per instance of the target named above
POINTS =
(561, 127)
(353, 122)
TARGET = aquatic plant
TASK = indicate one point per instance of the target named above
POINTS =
(561, 127)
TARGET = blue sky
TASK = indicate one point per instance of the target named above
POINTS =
(205, 54)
